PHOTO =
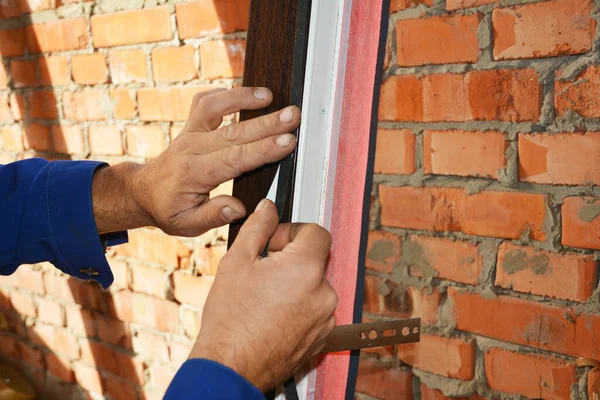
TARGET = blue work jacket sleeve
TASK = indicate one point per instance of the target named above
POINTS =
(207, 380)
(46, 215)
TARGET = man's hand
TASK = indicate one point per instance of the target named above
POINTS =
(265, 317)
(172, 191)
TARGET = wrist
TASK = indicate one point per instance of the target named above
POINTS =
(115, 199)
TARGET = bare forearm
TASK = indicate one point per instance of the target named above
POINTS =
(115, 203)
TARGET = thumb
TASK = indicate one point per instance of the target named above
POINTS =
(256, 231)
(216, 212)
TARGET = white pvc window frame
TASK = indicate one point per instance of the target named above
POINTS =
(320, 129)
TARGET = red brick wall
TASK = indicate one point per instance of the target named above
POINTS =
(91, 80)
(485, 202)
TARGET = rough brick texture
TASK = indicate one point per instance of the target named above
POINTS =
(88, 80)
(486, 198)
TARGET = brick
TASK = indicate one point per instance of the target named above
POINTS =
(88, 294)
(562, 276)
(388, 54)
(559, 158)
(594, 384)
(31, 356)
(433, 394)
(175, 131)
(482, 154)
(123, 365)
(120, 271)
(105, 140)
(162, 375)
(59, 367)
(580, 222)
(128, 66)
(12, 42)
(222, 59)
(547, 377)
(452, 5)
(145, 140)
(149, 280)
(497, 95)
(449, 39)
(151, 25)
(528, 323)
(23, 73)
(60, 35)
(155, 246)
(168, 104)
(397, 5)
(17, 108)
(54, 71)
(458, 362)
(449, 209)
(23, 303)
(3, 77)
(579, 95)
(114, 332)
(395, 152)
(12, 138)
(89, 378)
(68, 139)
(9, 346)
(192, 322)
(56, 339)
(207, 17)
(146, 310)
(18, 8)
(208, 258)
(8, 108)
(81, 321)
(192, 289)
(89, 105)
(123, 102)
(383, 251)
(391, 300)
(37, 137)
(151, 346)
(448, 259)
(548, 29)
(120, 389)
(42, 105)
(174, 64)
(51, 312)
(26, 278)
(179, 352)
(89, 69)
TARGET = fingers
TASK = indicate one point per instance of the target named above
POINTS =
(284, 235)
(256, 232)
(277, 123)
(229, 163)
(216, 212)
(313, 240)
(209, 108)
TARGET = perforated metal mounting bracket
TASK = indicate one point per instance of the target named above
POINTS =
(373, 334)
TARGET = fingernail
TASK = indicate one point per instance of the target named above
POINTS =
(260, 205)
(261, 93)
(285, 140)
(287, 115)
(230, 214)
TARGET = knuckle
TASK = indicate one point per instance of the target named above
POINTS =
(231, 132)
(233, 156)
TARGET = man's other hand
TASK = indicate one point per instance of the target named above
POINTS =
(265, 317)
(172, 191)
